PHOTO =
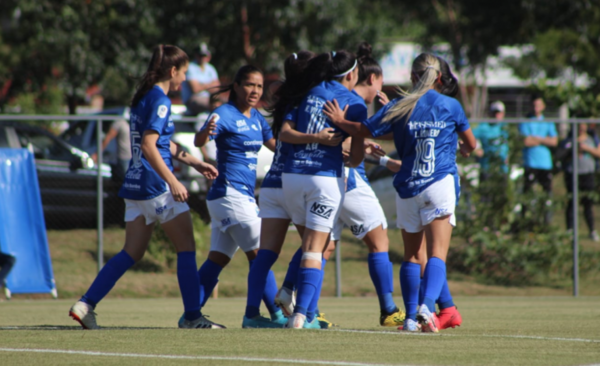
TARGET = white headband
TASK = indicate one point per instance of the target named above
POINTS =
(295, 56)
(347, 72)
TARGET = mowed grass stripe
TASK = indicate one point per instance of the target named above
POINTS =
(184, 357)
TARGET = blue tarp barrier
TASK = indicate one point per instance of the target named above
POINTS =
(22, 226)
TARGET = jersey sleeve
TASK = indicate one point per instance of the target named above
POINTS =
(357, 113)
(462, 123)
(266, 129)
(158, 115)
(376, 125)
(291, 115)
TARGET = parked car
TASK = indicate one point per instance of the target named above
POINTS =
(67, 177)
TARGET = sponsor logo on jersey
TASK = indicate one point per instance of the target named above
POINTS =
(226, 222)
(160, 210)
(162, 111)
(321, 210)
(242, 125)
(252, 166)
(253, 143)
(134, 174)
(357, 229)
(134, 187)
(251, 154)
(254, 128)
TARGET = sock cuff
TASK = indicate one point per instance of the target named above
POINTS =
(124, 259)
(410, 265)
(436, 262)
(271, 255)
(379, 256)
(186, 254)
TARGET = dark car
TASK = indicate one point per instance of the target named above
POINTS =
(67, 178)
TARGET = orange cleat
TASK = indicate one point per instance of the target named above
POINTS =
(449, 318)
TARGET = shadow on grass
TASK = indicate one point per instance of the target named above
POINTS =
(68, 327)
(144, 265)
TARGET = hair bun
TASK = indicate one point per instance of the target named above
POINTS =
(364, 50)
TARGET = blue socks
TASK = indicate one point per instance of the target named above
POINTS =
(189, 284)
(434, 279)
(262, 283)
(292, 273)
(314, 303)
(410, 281)
(379, 269)
(209, 277)
(445, 300)
(108, 276)
(308, 281)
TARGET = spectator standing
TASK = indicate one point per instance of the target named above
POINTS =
(494, 143)
(538, 136)
(589, 150)
(201, 77)
(119, 130)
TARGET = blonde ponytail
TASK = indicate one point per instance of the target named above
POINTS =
(426, 67)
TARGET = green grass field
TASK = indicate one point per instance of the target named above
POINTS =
(495, 331)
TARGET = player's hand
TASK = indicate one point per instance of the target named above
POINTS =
(463, 150)
(211, 126)
(207, 170)
(334, 112)
(373, 148)
(329, 137)
(179, 192)
(383, 98)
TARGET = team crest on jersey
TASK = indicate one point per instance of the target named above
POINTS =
(321, 210)
(162, 111)
(357, 229)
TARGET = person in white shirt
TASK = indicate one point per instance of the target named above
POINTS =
(201, 79)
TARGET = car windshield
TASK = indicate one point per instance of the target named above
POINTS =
(43, 146)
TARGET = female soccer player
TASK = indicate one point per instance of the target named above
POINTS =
(275, 218)
(239, 131)
(152, 193)
(313, 182)
(361, 210)
(423, 123)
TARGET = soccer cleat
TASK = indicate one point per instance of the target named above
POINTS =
(261, 322)
(594, 236)
(410, 326)
(84, 314)
(325, 324)
(449, 318)
(279, 318)
(200, 323)
(296, 321)
(428, 320)
(286, 300)
(312, 325)
(392, 320)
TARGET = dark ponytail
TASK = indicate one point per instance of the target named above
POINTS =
(342, 62)
(164, 58)
(449, 82)
(289, 94)
(240, 76)
(367, 64)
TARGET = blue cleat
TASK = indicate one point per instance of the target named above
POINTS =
(279, 318)
(261, 322)
(312, 325)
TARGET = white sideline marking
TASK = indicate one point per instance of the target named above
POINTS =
(182, 357)
(464, 335)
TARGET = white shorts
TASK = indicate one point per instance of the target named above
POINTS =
(313, 201)
(234, 223)
(162, 208)
(361, 212)
(272, 204)
(437, 200)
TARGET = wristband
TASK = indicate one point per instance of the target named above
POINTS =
(383, 160)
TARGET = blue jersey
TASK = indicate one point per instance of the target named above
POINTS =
(358, 103)
(537, 157)
(238, 139)
(426, 143)
(273, 177)
(317, 159)
(153, 112)
(494, 142)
